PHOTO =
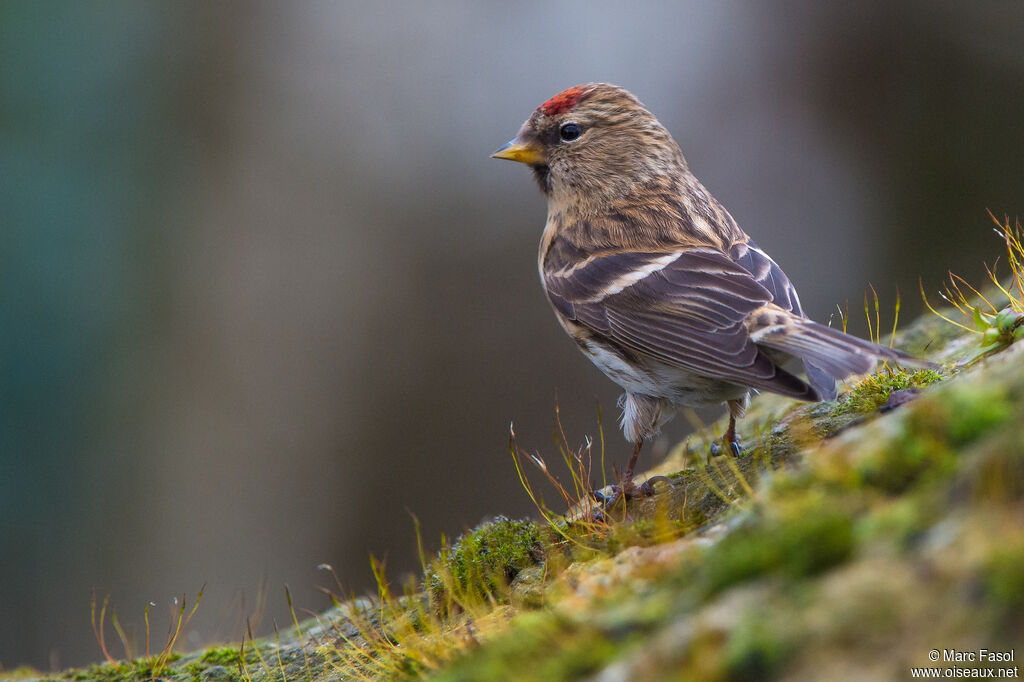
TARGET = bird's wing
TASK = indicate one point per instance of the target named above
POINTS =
(686, 308)
(767, 273)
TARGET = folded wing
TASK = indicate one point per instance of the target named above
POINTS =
(686, 308)
(714, 313)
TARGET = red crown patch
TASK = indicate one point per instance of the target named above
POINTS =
(563, 101)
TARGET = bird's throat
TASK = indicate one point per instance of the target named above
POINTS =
(542, 174)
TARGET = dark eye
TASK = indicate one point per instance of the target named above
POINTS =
(569, 131)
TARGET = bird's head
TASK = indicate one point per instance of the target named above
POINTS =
(592, 144)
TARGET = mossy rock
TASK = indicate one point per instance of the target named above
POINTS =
(836, 546)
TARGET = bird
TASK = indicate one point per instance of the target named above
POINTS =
(655, 281)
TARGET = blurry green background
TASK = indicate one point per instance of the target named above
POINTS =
(263, 294)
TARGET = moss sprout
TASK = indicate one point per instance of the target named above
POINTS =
(873, 392)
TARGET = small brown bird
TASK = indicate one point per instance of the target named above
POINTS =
(653, 278)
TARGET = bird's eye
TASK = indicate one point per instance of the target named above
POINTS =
(569, 131)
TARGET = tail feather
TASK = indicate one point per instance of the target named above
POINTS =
(828, 351)
(823, 382)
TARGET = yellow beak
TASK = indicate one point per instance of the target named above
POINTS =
(523, 152)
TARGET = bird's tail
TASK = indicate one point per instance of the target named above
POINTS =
(823, 349)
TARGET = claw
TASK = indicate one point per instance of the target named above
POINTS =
(734, 446)
(605, 501)
(647, 487)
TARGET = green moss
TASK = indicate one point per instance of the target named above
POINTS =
(582, 654)
(742, 555)
(538, 646)
(874, 391)
(901, 521)
(815, 543)
(973, 410)
(1004, 580)
(997, 475)
(199, 672)
(116, 672)
(811, 540)
(643, 532)
(756, 650)
(931, 435)
(220, 663)
(482, 563)
(221, 656)
(897, 464)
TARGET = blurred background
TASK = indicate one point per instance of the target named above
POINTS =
(263, 294)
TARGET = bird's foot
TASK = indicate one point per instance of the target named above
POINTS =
(729, 440)
(732, 446)
(626, 489)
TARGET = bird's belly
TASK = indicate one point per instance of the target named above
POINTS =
(658, 380)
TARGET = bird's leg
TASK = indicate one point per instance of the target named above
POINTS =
(730, 439)
(626, 489)
(627, 478)
(737, 408)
